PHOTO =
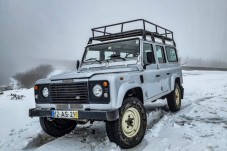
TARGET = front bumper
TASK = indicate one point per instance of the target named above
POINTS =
(109, 115)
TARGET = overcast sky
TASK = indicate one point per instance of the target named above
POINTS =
(32, 30)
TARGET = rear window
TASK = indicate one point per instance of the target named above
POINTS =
(171, 54)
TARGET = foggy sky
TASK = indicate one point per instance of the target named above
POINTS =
(32, 30)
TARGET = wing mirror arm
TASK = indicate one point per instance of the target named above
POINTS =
(145, 65)
(77, 64)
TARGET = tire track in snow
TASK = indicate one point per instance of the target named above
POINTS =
(216, 120)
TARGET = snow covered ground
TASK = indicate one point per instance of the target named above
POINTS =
(200, 125)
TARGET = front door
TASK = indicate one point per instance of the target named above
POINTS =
(152, 75)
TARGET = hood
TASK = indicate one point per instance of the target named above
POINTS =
(90, 72)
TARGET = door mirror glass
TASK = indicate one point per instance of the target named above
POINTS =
(150, 57)
(148, 54)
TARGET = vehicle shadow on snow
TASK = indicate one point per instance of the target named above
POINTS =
(90, 137)
(38, 140)
(93, 136)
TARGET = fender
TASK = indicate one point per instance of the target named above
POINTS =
(122, 91)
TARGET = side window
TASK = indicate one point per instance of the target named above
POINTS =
(148, 48)
(171, 54)
(160, 54)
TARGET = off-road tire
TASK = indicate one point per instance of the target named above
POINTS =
(109, 130)
(132, 110)
(57, 127)
(174, 99)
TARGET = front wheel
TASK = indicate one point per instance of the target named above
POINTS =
(129, 129)
(57, 127)
(174, 99)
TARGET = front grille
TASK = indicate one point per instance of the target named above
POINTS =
(69, 93)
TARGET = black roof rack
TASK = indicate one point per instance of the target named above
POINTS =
(164, 34)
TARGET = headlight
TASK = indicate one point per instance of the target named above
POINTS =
(45, 92)
(97, 90)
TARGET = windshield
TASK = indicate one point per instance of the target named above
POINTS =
(114, 51)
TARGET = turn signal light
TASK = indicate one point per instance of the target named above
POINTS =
(36, 87)
(105, 84)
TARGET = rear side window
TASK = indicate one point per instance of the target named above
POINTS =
(171, 54)
(160, 54)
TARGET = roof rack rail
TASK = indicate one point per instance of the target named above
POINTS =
(164, 35)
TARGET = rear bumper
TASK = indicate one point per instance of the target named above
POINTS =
(109, 115)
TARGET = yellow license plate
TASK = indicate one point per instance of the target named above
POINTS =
(64, 114)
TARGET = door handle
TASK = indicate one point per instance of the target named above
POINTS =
(168, 73)
(158, 75)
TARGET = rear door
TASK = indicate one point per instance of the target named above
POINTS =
(173, 64)
(163, 68)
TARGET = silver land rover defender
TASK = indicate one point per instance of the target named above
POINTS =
(119, 74)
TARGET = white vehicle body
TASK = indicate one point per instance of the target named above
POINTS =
(156, 81)
(115, 79)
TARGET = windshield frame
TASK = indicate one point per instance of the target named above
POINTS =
(122, 40)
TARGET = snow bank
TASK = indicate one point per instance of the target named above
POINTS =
(200, 125)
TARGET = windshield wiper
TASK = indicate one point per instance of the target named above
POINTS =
(93, 59)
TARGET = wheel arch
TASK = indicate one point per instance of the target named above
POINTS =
(129, 89)
(135, 92)
(175, 79)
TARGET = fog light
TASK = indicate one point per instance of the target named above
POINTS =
(106, 95)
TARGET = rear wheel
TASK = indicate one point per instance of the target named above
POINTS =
(174, 99)
(57, 127)
(129, 129)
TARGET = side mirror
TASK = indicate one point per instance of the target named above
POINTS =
(77, 64)
(150, 57)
